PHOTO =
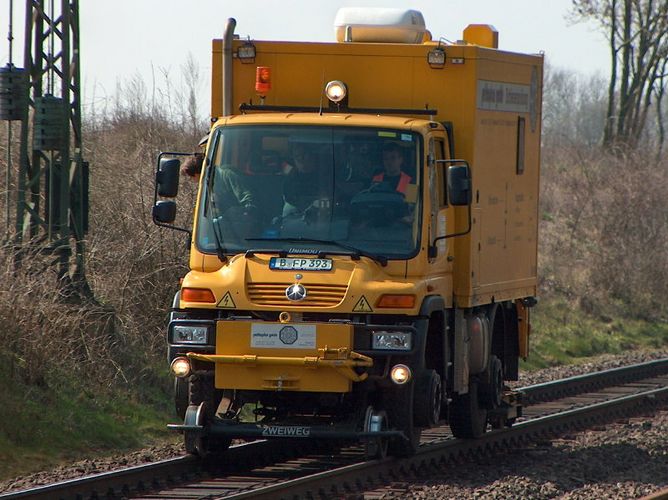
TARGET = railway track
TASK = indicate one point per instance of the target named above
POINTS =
(280, 469)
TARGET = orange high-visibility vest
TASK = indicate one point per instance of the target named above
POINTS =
(404, 181)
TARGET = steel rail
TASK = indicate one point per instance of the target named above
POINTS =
(348, 478)
(248, 456)
(118, 483)
(592, 381)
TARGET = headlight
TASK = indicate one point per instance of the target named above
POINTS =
(391, 341)
(190, 334)
(180, 367)
(336, 91)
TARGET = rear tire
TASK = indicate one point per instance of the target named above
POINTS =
(467, 418)
(491, 390)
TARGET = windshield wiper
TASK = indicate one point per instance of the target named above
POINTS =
(355, 252)
(212, 210)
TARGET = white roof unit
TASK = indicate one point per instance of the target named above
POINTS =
(373, 24)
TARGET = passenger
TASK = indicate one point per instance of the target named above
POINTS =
(393, 176)
(306, 182)
(231, 183)
(192, 166)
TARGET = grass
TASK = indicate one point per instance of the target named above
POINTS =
(564, 334)
(45, 426)
(64, 418)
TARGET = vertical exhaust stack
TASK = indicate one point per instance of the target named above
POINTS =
(227, 66)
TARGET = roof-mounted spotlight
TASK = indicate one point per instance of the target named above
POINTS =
(246, 52)
(436, 57)
(337, 92)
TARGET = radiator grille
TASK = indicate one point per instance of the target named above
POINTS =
(273, 294)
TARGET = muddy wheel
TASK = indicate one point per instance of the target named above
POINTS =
(428, 398)
(398, 404)
(467, 417)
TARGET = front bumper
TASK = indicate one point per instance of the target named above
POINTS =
(341, 360)
(314, 357)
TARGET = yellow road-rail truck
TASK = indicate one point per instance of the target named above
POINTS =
(364, 245)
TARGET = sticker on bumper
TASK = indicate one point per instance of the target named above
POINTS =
(283, 336)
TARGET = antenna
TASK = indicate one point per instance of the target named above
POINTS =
(322, 92)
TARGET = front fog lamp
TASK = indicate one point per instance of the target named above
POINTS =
(336, 91)
(180, 367)
(400, 374)
(190, 334)
(391, 341)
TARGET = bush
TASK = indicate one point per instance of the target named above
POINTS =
(604, 231)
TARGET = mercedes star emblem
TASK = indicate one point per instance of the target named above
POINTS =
(295, 292)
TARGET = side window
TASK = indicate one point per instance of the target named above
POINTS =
(216, 156)
(436, 181)
(439, 154)
(520, 145)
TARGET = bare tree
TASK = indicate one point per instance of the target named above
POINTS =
(574, 107)
(637, 32)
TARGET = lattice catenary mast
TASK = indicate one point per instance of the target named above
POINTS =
(52, 185)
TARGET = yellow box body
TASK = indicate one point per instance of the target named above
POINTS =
(493, 99)
(234, 338)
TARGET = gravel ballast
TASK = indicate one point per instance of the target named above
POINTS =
(627, 459)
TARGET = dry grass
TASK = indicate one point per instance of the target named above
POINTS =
(604, 230)
(132, 266)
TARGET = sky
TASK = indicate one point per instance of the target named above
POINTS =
(122, 39)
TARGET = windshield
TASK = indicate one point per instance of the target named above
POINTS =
(311, 189)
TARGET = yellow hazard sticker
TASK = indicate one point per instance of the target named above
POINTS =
(385, 133)
(226, 302)
(362, 306)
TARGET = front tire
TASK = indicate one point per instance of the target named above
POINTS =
(181, 396)
(398, 405)
(428, 399)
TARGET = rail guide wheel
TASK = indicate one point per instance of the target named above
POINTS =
(197, 440)
(194, 440)
(375, 447)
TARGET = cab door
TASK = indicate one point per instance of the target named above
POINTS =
(441, 221)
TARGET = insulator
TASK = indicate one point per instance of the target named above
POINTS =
(13, 92)
(49, 131)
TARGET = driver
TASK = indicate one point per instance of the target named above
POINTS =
(393, 164)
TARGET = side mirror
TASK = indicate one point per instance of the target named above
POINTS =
(164, 212)
(460, 192)
(167, 177)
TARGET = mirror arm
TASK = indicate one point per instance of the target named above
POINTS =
(176, 228)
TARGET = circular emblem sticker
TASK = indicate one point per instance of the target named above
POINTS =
(288, 335)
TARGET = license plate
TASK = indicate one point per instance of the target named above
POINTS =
(295, 264)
